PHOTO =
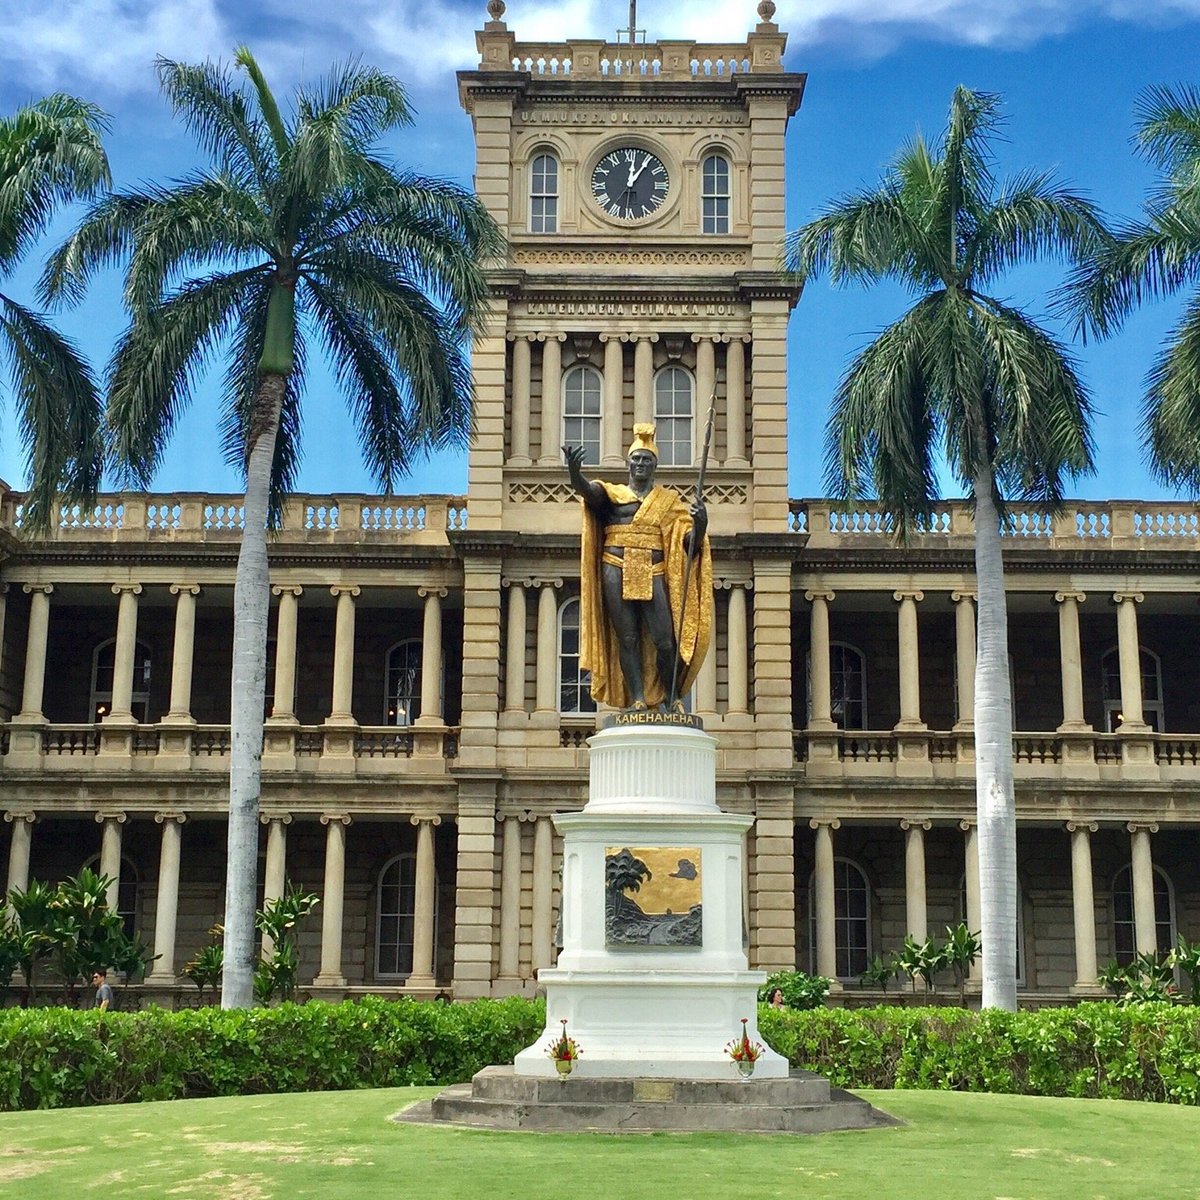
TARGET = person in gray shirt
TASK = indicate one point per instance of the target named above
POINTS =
(104, 992)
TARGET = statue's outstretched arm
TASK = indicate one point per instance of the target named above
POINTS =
(593, 494)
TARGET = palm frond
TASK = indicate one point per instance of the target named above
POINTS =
(1172, 406)
(966, 154)
(267, 104)
(104, 238)
(1168, 131)
(57, 413)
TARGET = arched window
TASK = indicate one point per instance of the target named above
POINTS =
(543, 194)
(673, 388)
(581, 402)
(714, 194)
(127, 890)
(847, 686)
(403, 698)
(962, 917)
(1152, 703)
(103, 668)
(395, 908)
(852, 919)
(1124, 930)
(574, 683)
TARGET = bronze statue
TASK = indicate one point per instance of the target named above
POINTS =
(642, 602)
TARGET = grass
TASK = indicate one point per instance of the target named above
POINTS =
(338, 1145)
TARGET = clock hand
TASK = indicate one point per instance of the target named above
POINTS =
(632, 177)
(634, 174)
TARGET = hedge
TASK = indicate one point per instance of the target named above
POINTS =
(52, 1058)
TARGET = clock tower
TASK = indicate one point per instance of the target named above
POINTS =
(640, 185)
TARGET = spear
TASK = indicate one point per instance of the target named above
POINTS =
(693, 551)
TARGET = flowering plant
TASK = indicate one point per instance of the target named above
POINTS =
(742, 1049)
(564, 1048)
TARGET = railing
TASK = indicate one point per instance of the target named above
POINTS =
(1177, 751)
(1081, 525)
(71, 739)
(201, 517)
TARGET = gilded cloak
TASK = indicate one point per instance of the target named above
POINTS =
(598, 649)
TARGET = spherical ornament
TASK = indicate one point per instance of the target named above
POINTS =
(766, 10)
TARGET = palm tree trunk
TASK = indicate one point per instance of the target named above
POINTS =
(251, 604)
(994, 801)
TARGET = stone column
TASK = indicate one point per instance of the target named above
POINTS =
(18, 851)
(739, 651)
(552, 400)
(706, 684)
(510, 899)
(612, 424)
(825, 902)
(1131, 662)
(431, 657)
(542, 949)
(333, 901)
(547, 646)
(706, 382)
(821, 717)
(643, 378)
(124, 651)
(964, 643)
(735, 403)
(1145, 933)
(514, 665)
(166, 908)
(282, 703)
(971, 876)
(343, 656)
(910, 671)
(110, 854)
(35, 651)
(915, 904)
(180, 711)
(520, 403)
(1071, 659)
(1083, 902)
(275, 874)
(424, 897)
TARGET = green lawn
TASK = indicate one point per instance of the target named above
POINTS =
(338, 1145)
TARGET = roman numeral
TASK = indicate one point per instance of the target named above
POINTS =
(614, 210)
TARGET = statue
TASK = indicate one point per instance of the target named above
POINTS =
(646, 582)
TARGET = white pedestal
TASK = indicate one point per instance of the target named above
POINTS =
(651, 1011)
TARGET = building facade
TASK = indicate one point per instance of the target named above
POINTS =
(426, 712)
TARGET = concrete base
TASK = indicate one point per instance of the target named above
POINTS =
(497, 1098)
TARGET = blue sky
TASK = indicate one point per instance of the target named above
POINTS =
(1069, 70)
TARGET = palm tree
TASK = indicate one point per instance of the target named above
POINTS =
(50, 155)
(968, 378)
(1154, 257)
(299, 232)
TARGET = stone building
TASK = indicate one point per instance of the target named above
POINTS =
(426, 710)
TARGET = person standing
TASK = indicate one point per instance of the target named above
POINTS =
(104, 992)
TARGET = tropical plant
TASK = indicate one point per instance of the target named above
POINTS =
(879, 972)
(623, 872)
(922, 960)
(301, 232)
(32, 925)
(1186, 958)
(205, 966)
(961, 950)
(967, 376)
(1158, 256)
(1147, 979)
(275, 975)
(50, 155)
(800, 990)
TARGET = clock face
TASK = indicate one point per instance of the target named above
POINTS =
(629, 183)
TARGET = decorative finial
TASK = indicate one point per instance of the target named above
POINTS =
(766, 10)
(496, 9)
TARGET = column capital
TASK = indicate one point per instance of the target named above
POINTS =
(15, 817)
(962, 595)
(605, 338)
(907, 823)
(546, 581)
(1068, 594)
(967, 824)
(831, 822)
(110, 815)
(913, 594)
(643, 337)
(433, 819)
(267, 817)
(820, 594)
(336, 819)
(727, 584)
(1142, 827)
(437, 590)
(164, 818)
(179, 589)
(1136, 597)
(707, 337)
(1085, 826)
(44, 588)
(286, 589)
(345, 589)
(512, 336)
(134, 589)
(550, 337)
(516, 581)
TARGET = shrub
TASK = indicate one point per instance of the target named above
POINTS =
(799, 990)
